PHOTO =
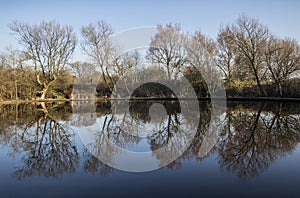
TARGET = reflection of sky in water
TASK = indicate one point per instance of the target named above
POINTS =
(195, 178)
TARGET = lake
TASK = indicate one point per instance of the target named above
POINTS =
(251, 149)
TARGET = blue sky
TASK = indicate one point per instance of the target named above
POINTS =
(282, 17)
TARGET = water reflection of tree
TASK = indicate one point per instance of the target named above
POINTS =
(45, 144)
(165, 127)
(119, 129)
(12, 117)
(165, 139)
(93, 165)
(194, 151)
(123, 130)
(254, 138)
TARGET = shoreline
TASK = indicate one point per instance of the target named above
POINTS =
(275, 99)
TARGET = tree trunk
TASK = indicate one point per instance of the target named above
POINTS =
(168, 72)
(261, 90)
(44, 92)
(45, 89)
(16, 90)
(45, 86)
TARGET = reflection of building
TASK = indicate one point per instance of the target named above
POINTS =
(83, 104)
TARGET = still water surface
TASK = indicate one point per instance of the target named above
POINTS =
(256, 152)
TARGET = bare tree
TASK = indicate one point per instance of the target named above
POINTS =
(250, 38)
(48, 46)
(98, 46)
(168, 49)
(81, 68)
(226, 53)
(14, 58)
(84, 72)
(121, 64)
(201, 52)
(282, 59)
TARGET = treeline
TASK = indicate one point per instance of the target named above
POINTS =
(245, 56)
(250, 56)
